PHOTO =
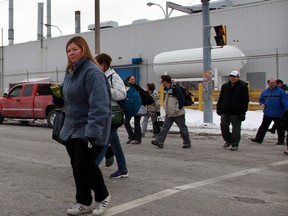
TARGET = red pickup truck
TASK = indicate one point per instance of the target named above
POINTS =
(28, 101)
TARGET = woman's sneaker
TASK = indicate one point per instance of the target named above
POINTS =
(226, 145)
(119, 174)
(234, 148)
(78, 209)
(101, 206)
(129, 141)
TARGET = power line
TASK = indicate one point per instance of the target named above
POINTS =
(191, 2)
(3, 1)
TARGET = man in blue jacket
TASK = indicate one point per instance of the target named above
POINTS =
(274, 102)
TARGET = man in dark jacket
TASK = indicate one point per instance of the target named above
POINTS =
(283, 86)
(232, 107)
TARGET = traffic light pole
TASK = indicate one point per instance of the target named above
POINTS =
(207, 75)
(97, 27)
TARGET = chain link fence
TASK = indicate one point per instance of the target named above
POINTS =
(260, 66)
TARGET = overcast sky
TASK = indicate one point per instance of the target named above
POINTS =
(63, 15)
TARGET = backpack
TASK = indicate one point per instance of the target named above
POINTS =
(132, 103)
(188, 95)
(146, 98)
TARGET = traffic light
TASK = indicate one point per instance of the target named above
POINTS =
(221, 36)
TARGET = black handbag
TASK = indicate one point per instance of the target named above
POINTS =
(159, 121)
(117, 116)
(58, 124)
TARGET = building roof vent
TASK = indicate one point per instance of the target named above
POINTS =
(140, 21)
(106, 24)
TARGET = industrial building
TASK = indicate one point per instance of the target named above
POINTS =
(258, 29)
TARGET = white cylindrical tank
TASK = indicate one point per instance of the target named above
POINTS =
(189, 63)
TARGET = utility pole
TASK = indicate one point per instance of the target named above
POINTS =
(97, 27)
(2, 64)
(207, 74)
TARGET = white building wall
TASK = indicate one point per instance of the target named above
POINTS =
(260, 28)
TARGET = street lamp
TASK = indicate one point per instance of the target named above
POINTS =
(172, 6)
(149, 4)
(49, 25)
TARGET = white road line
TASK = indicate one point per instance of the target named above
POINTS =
(53, 163)
(165, 193)
(139, 202)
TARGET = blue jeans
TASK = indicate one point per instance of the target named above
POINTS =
(144, 124)
(156, 128)
(117, 149)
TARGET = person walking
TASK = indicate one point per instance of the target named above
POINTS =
(134, 136)
(274, 102)
(232, 106)
(118, 93)
(86, 94)
(174, 108)
(284, 87)
(153, 110)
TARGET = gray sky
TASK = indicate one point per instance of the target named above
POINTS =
(122, 11)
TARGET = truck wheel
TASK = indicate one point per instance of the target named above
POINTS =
(1, 119)
(50, 118)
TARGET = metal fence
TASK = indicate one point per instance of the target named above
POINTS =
(271, 63)
(199, 103)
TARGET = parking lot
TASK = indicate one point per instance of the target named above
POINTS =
(36, 178)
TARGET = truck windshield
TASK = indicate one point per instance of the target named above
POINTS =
(16, 92)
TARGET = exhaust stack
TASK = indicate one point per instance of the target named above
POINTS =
(77, 22)
(48, 35)
(40, 21)
(11, 30)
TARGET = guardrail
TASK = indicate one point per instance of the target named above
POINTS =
(199, 103)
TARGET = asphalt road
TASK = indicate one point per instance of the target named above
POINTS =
(36, 178)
